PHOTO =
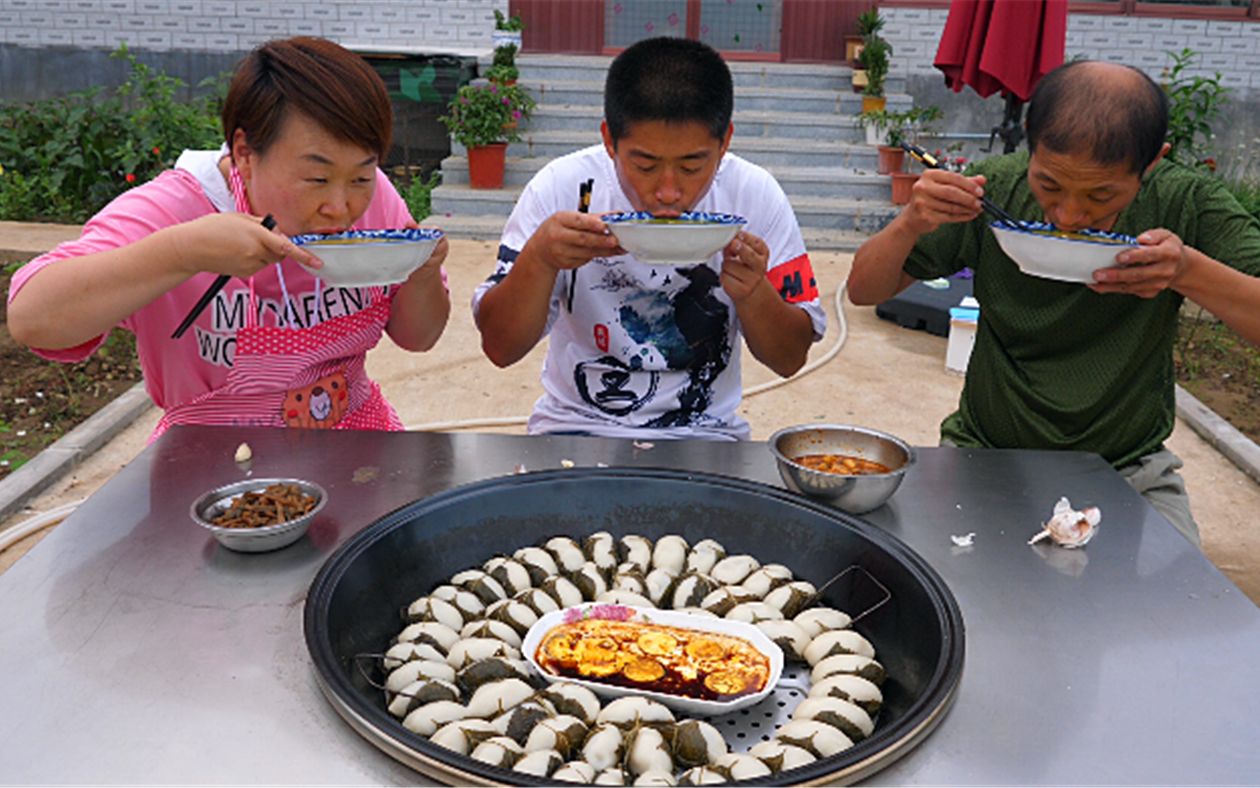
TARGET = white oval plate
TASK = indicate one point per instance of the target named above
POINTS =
(671, 618)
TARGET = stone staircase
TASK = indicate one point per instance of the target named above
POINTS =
(796, 120)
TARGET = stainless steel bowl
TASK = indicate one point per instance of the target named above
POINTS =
(854, 494)
(255, 540)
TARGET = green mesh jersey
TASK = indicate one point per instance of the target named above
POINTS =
(1056, 365)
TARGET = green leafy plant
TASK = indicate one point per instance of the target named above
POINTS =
(1193, 103)
(502, 74)
(503, 68)
(64, 158)
(900, 127)
(874, 59)
(511, 24)
(486, 113)
(418, 194)
(869, 22)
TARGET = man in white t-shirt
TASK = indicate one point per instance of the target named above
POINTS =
(639, 350)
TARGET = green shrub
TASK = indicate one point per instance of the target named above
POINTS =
(63, 159)
(484, 114)
(1193, 103)
(418, 194)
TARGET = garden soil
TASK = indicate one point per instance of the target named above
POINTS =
(885, 377)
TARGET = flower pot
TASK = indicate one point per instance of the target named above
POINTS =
(876, 136)
(852, 47)
(504, 38)
(486, 164)
(874, 103)
(902, 184)
(859, 79)
(891, 157)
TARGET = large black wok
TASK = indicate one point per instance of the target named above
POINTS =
(354, 603)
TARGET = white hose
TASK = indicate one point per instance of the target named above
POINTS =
(37, 523)
(508, 421)
(53, 516)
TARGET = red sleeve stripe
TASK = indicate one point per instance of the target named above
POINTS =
(794, 280)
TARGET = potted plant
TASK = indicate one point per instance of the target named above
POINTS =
(869, 23)
(503, 70)
(507, 31)
(908, 127)
(876, 124)
(484, 117)
(874, 58)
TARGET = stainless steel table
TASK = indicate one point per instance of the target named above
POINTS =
(133, 649)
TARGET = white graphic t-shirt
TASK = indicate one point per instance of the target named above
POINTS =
(651, 351)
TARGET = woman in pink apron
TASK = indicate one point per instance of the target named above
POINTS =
(307, 124)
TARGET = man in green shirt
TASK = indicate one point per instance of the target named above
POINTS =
(1060, 365)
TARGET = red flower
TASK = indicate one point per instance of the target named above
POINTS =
(131, 177)
(157, 151)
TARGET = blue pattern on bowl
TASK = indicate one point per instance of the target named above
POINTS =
(700, 217)
(386, 236)
(1040, 228)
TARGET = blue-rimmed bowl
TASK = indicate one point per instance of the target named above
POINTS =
(1041, 249)
(366, 258)
(688, 239)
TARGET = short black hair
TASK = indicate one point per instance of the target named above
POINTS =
(671, 79)
(1081, 109)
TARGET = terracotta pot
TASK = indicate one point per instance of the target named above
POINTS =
(874, 103)
(891, 157)
(902, 184)
(486, 164)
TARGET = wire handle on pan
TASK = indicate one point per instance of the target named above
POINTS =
(373, 659)
(884, 600)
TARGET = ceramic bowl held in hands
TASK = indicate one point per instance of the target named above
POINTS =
(366, 258)
(1040, 249)
(688, 239)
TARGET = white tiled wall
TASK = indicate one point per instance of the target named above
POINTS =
(1231, 48)
(456, 26)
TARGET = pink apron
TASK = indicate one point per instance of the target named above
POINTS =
(296, 377)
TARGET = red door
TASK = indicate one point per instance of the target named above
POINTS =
(772, 30)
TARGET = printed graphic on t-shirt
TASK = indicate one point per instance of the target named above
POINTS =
(303, 310)
(685, 327)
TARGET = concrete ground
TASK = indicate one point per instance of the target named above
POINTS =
(884, 377)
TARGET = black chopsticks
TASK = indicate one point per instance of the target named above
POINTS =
(928, 160)
(269, 223)
(584, 195)
(584, 206)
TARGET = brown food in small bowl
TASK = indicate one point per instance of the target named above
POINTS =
(840, 463)
(273, 505)
(878, 462)
(258, 515)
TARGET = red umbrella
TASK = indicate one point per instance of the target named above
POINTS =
(1002, 45)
